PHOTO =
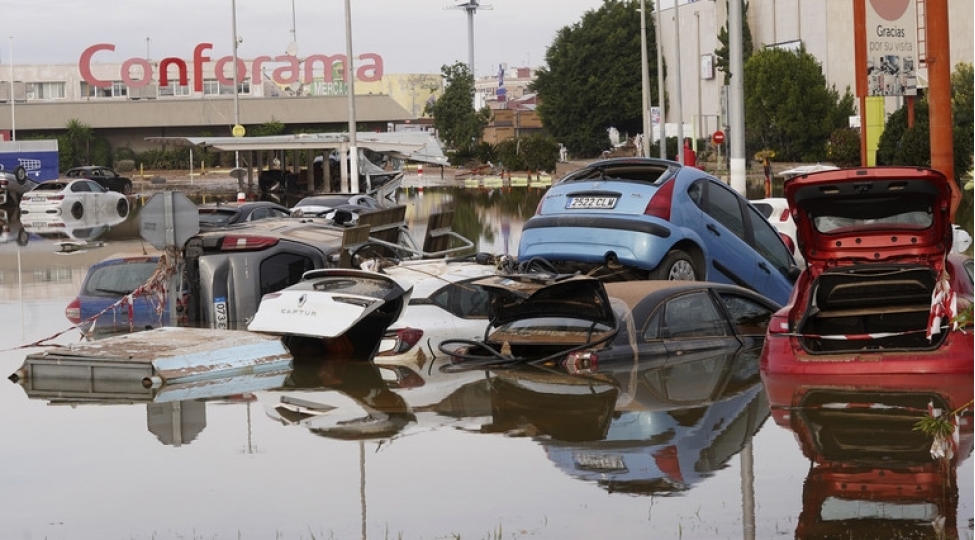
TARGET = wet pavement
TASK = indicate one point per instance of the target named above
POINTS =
(671, 450)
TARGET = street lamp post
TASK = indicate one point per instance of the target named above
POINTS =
(13, 97)
(647, 131)
(350, 88)
(233, 5)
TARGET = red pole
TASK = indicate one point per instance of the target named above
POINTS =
(939, 96)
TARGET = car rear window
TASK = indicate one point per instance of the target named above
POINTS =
(843, 215)
(118, 279)
(635, 172)
(215, 216)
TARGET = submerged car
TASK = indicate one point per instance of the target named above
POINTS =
(13, 185)
(223, 214)
(73, 198)
(876, 296)
(119, 294)
(582, 323)
(327, 206)
(447, 303)
(644, 218)
(351, 307)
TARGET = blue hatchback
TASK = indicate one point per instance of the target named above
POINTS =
(645, 218)
(107, 303)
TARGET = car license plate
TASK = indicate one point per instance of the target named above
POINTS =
(599, 462)
(589, 203)
(220, 313)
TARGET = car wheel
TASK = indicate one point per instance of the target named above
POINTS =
(676, 266)
(20, 173)
(127, 188)
(122, 207)
(77, 210)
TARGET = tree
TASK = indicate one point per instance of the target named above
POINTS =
(903, 145)
(75, 145)
(788, 106)
(593, 78)
(723, 53)
(454, 117)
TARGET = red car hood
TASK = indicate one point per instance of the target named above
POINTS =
(875, 214)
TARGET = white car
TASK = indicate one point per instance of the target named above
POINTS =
(72, 199)
(776, 211)
(444, 305)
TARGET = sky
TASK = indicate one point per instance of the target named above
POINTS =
(412, 36)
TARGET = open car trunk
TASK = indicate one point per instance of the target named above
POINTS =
(870, 307)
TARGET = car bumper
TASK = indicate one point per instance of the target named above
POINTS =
(595, 239)
(784, 356)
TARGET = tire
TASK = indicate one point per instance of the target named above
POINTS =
(676, 266)
(122, 207)
(20, 173)
(77, 210)
(127, 188)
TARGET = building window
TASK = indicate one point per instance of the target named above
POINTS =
(38, 91)
(117, 89)
(174, 89)
(213, 88)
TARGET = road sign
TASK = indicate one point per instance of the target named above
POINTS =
(168, 219)
(238, 131)
(718, 137)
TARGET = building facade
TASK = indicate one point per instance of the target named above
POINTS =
(130, 100)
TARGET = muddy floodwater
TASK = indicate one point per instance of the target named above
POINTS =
(674, 449)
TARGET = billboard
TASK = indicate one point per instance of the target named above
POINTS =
(39, 158)
(891, 48)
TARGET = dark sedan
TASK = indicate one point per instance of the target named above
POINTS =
(580, 322)
(105, 176)
(223, 214)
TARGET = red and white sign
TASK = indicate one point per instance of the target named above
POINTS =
(289, 68)
(718, 137)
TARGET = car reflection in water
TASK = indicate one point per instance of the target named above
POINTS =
(873, 475)
(672, 424)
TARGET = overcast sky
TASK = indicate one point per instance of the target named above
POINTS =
(412, 36)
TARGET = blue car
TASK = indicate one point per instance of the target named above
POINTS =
(645, 218)
(106, 303)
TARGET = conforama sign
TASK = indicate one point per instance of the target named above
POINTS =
(288, 70)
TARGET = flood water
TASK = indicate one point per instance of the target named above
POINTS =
(691, 450)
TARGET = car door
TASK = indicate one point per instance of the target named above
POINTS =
(772, 273)
(732, 259)
(689, 324)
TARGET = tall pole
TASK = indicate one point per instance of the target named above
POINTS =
(350, 85)
(680, 93)
(939, 97)
(647, 131)
(736, 104)
(660, 88)
(13, 97)
(233, 5)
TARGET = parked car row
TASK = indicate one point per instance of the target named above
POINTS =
(689, 263)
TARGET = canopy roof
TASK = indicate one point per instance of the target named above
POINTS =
(413, 146)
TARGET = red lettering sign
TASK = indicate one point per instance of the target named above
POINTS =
(288, 71)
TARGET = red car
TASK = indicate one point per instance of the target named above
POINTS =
(878, 289)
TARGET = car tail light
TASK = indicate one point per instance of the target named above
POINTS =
(784, 216)
(659, 205)
(405, 338)
(234, 242)
(3, 183)
(55, 197)
(581, 362)
(73, 311)
(779, 324)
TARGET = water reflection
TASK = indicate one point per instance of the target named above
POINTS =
(872, 473)
(175, 413)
